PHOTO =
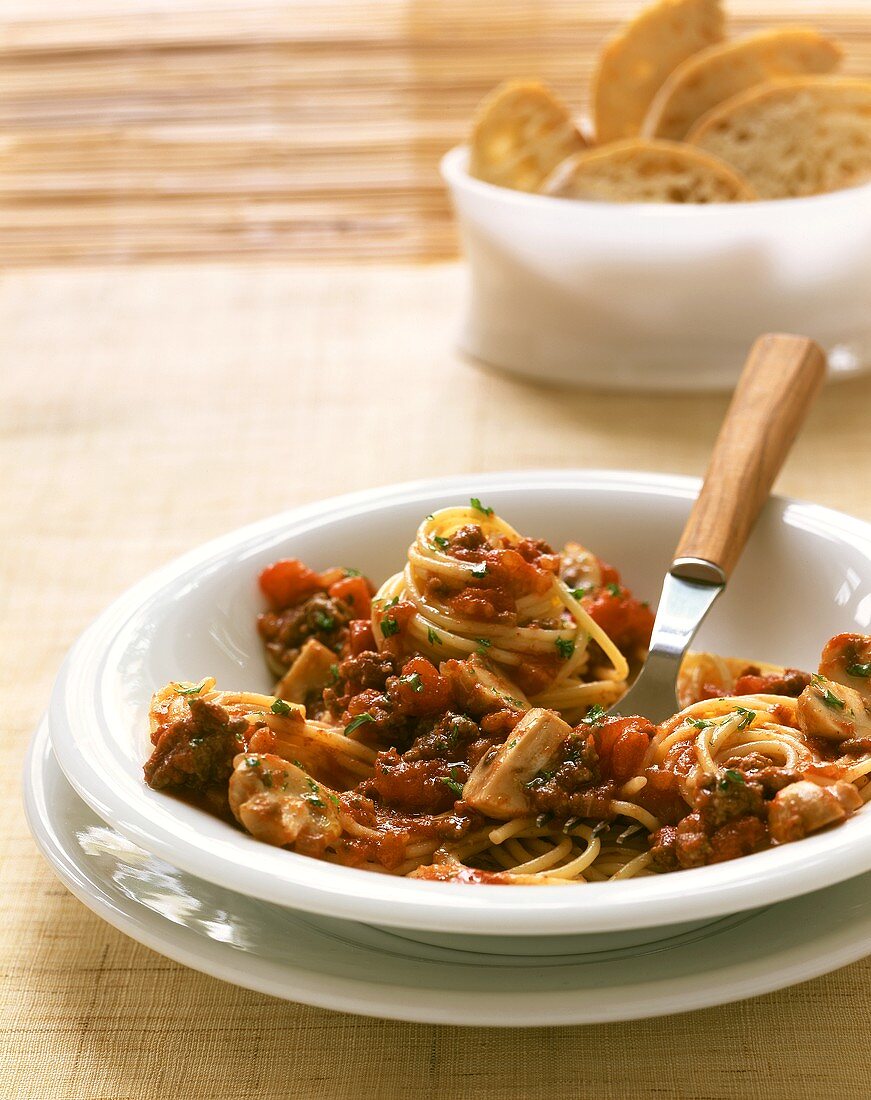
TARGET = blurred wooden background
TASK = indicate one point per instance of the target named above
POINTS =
(136, 130)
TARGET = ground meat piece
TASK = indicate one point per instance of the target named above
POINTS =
(448, 738)
(197, 751)
(320, 616)
(470, 537)
(663, 844)
(739, 837)
(754, 682)
(539, 552)
(681, 846)
(366, 671)
(759, 768)
(569, 789)
(728, 821)
(856, 746)
(416, 786)
(729, 796)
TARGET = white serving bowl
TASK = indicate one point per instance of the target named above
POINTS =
(658, 296)
(804, 576)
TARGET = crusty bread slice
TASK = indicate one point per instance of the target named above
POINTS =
(793, 137)
(725, 70)
(636, 61)
(521, 132)
(647, 171)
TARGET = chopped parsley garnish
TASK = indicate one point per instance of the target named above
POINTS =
(565, 646)
(334, 673)
(324, 621)
(189, 689)
(456, 787)
(479, 569)
(281, 707)
(432, 637)
(827, 696)
(479, 507)
(389, 627)
(483, 644)
(441, 542)
(584, 590)
(729, 776)
(353, 573)
(360, 720)
(312, 799)
(391, 603)
(747, 717)
(539, 778)
(700, 723)
(859, 668)
(614, 589)
(593, 715)
(414, 681)
(831, 700)
(252, 761)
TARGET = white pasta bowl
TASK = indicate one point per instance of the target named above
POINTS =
(658, 296)
(804, 576)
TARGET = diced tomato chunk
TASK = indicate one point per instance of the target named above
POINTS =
(421, 689)
(355, 592)
(288, 582)
(609, 573)
(535, 673)
(626, 621)
(483, 604)
(361, 637)
(621, 745)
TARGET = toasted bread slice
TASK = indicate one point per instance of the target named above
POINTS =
(794, 137)
(636, 61)
(521, 133)
(647, 171)
(720, 72)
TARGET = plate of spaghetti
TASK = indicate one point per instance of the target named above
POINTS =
(392, 707)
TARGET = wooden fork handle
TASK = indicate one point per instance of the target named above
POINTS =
(780, 380)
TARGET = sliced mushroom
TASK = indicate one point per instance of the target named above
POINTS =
(482, 688)
(846, 659)
(279, 803)
(804, 807)
(580, 566)
(831, 710)
(497, 786)
(310, 672)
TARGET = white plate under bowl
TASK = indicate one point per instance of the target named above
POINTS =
(352, 968)
(804, 576)
(658, 296)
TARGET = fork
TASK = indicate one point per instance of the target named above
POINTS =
(777, 387)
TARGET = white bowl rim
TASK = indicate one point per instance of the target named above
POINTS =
(454, 171)
(248, 866)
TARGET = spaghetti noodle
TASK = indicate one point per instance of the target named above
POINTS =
(453, 726)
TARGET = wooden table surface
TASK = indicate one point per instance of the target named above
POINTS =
(150, 400)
